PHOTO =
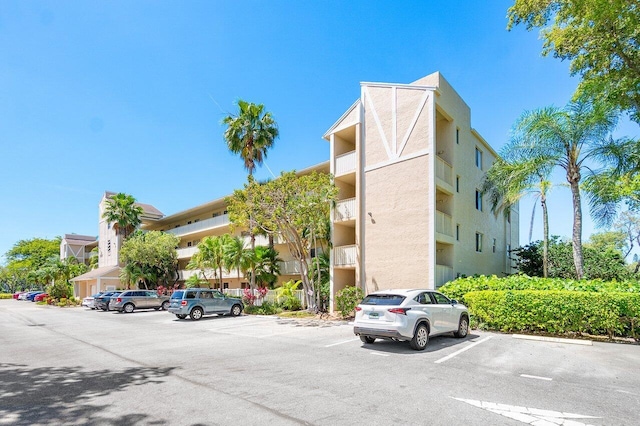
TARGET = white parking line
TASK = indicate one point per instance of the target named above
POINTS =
(448, 357)
(378, 354)
(536, 377)
(340, 343)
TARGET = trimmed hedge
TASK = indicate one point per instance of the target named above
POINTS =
(6, 295)
(557, 312)
(459, 288)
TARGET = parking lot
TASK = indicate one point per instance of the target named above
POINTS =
(77, 366)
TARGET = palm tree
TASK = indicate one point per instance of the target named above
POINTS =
(236, 254)
(212, 250)
(121, 209)
(250, 134)
(507, 181)
(266, 265)
(570, 138)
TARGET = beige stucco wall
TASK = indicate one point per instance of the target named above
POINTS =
(396, 243)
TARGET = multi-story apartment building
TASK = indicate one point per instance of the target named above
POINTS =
(409, 168)
(78, 246)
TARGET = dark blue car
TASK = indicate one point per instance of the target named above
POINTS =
(32, 294)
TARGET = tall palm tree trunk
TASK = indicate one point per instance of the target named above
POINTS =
(577, 223)
(545, 236)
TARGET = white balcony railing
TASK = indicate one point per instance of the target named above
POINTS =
(444, 274)
(444, 224)
(345, 209)
(187, 252)
(202, 225)
(345, 163)
(290, 267)
(185, 274)
(344, 256)
(444, 171)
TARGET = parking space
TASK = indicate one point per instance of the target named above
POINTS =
(297, 371)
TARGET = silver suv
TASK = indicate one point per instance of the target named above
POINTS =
(410, 315)
(130, 300)
(197, 302)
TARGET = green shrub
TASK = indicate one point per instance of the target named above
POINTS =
(347, 299)
(6, 296)
(267, 308)
(459, 288)
(557, 312)
(291, 304)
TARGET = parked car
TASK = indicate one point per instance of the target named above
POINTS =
(103, 301)
(196, 302)
(90, 301)
(32, 294)
(130, 300)
(409, 315)
(40, 297)
(17, 294)
(23, 295)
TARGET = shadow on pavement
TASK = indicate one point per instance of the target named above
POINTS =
(61, 395)
(436, 343)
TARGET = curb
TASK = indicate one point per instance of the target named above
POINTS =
(553, 339)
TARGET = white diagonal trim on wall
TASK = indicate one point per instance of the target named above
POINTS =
(377, 120)
(423, 102)
(391, 161)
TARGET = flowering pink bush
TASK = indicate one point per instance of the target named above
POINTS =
(249, 297)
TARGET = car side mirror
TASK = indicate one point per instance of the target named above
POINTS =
(454, 302)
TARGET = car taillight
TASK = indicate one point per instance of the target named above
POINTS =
(119, 299)
(183, 303)
(401, 311)
(358, 308)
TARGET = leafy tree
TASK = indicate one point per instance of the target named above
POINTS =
(94, 260)
(34, 253)
(150, 258)
(512, 177)
(609, 240)
(599, 37)
(606, 265)
(292, 207)
(250, 134)
(121, 209)
(212, 255)
(571, 138)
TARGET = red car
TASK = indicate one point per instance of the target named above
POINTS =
(16, 294)
(40, 297)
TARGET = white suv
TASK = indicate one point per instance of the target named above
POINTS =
(410, 315)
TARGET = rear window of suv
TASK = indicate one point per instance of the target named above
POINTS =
(177, 294)
(383, 299)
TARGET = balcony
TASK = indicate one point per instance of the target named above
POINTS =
(184, 274)
(444, 274)
(444, 175)
(290, 267)
(345, 163)
(444, 228)
(203, 225)
(345, 210)
(187, 252)
(345, 256)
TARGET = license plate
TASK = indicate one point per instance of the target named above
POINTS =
(373, 315)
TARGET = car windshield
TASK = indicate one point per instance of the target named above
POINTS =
(383, 299)
(177, 294)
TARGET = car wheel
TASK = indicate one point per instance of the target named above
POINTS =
(196, 314)
(463, 327)
(367, 339)
(128, 308)
(236, 310)
(420, 338)
(181, 316)
(165, 305)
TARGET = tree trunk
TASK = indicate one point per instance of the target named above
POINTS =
(545, 236)
(573, 176)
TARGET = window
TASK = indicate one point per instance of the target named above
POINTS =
(478, 242)
(457, 183)
(108, 246)
(189, 223)
(457, 136)
(188, 243)
(478, 158)
(196, 220)
(478, 200)
(441, 299)
(494, 245)
(423, 299)
(458, 232)
(225, 285)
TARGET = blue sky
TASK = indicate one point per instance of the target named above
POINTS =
(129, 96)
